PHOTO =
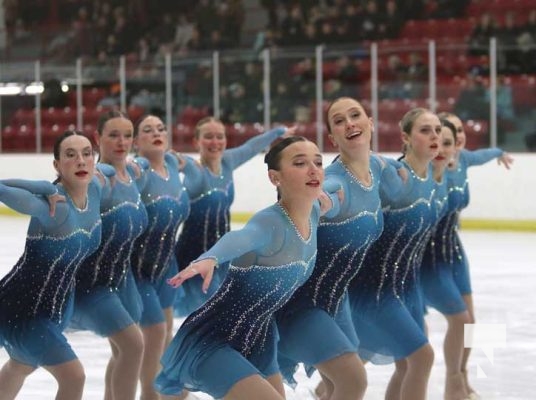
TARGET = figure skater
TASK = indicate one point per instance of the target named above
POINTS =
(107, 301)
(436, 275)
(153, 261)
(320, 309)
(228, 347)
(36, 296)
(211, 200)
(385, 296)
(453, 265)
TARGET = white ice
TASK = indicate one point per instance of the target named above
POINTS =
(503, 267)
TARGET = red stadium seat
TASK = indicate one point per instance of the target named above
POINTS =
(191, 115)
(23, 116)
(183, 136)
(92, 97)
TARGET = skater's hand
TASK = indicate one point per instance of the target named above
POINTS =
(505, 159)
(291, 131)
(53, 199)
(403, 174)
(204, 267)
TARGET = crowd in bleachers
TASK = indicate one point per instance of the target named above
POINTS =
(102, 30)
(340, 21)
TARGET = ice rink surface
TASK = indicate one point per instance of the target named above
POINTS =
(503, 267)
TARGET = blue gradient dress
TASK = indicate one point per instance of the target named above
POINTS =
(107, 299)
(167, 205)
(209, 219)
(234, 335)
(386, 297)
(448, 281)
(315, 325)
(36, 296)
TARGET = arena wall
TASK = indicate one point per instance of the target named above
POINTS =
(500, 199)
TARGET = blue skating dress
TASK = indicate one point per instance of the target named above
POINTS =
(315, 325)
(385, 296)
(36, 296)
(107, 299)
(437, 278)
(234, 335)
(152, 260)
(209, 219)
(449, 280)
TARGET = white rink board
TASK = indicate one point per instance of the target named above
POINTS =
(496, 194)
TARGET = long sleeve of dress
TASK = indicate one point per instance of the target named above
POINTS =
(331, 186)
(143, 177)
(391, 183)
(44, 188)
(107, 173)
(193, 174)
(482, 156)
(239, 155)
(27, 197)
(253, 236)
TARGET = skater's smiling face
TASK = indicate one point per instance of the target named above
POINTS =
(210, 140)
(348, 124)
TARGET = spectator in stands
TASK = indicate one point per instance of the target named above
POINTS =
(165, 31)
(506, 118)
(82, 27)
(526, 41)
(370, 20)
(271, 9)
(143, 50)
(205, 17)
(292, 27)
(417, 75)
(327, 34)
(393, 79)
(352, 14)
(347, 70)
(216, 41)
(485, 29)
(233, 16)
(196, 41)
(472, 102)
(99, 34)
(333, 89)
(252, 79)
(310, 34)
(507, 44)
(305, 80)
(184, 32)
(284, 108)
(390, 22)
(480, 67)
